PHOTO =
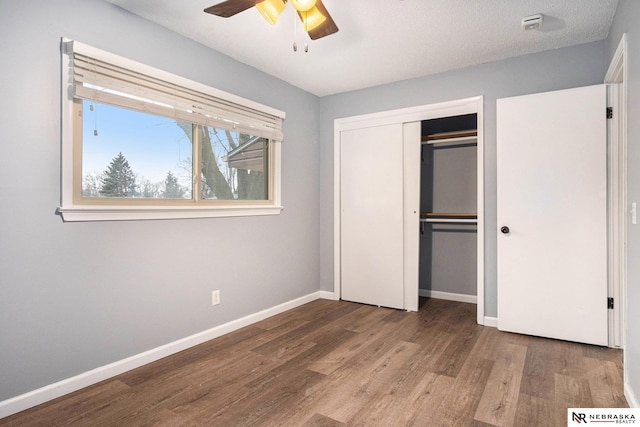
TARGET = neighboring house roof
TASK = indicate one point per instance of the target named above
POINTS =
(249, 156)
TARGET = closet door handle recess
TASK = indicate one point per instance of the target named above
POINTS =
(504, 229)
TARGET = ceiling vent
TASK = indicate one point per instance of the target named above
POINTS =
(532, 22)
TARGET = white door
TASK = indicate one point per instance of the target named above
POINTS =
(371, 202)
(552, 229)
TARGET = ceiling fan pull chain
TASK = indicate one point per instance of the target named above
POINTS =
(306, 28)
(295, 32)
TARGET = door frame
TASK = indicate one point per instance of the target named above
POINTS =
(472, 105)
(617, 188)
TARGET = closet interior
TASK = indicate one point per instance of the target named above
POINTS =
(448, 208)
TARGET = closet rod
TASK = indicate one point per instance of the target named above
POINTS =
(450, 135)
(448, 215)
(459, 218)
(450, 220)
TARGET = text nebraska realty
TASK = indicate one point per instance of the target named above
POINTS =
(611, 418)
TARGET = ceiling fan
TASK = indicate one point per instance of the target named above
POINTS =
(315, 18)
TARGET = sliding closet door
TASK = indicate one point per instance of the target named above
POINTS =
(371, 200)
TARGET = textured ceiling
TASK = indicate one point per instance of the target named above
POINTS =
(382, 41)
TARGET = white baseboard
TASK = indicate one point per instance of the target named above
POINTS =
(328, 295)
(631, 397)
(472, 299)
(491, 321)
(66, 386)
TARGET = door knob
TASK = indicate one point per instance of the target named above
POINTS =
(504, 229)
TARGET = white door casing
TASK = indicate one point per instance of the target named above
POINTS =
(617, 78)
(551, 194)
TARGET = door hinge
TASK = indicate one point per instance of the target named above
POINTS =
(610, 303)
(609, 112)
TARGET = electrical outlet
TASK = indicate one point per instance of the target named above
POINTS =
(215, 297)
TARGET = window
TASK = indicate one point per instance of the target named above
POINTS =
(140, 143)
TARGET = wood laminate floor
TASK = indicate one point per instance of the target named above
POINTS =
(335, 363)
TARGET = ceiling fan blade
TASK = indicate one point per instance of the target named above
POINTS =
(326, 28)
(230, 7)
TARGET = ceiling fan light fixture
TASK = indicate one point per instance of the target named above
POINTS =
(270, 9)
(314, 15)
(303, 5)
(312, 19)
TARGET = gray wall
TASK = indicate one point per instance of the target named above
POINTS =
(76, 296)
(558, 69)
(626, 21)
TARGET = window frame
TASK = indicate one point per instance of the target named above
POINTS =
(73, 207)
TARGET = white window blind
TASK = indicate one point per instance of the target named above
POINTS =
(100, 76)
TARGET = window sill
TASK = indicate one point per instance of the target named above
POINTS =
(137, 213)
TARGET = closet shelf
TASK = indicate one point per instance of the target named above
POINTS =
(451, 137)
(460, 218)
